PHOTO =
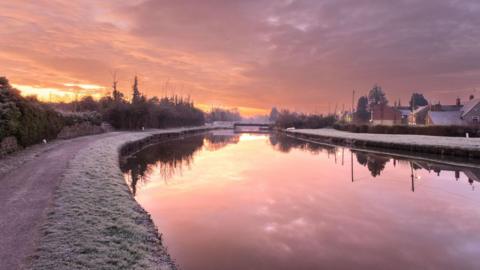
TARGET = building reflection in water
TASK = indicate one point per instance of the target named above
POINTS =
(374, 162)
(172, 157)
(257, 201)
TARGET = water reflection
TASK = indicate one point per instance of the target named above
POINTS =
(375, 162)
(170, 158)
(285, 144)
(273, 202)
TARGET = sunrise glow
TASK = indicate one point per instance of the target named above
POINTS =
(248, 55)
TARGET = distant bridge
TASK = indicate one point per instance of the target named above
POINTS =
(260, 125)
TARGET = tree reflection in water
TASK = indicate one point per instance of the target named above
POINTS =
(171, 157)
(217, 140)
(285, 144)
(374, 162)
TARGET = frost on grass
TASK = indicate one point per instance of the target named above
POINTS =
(95, 223)
(434, 141)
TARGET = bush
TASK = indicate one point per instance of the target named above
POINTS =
(451, 131)
(93, 118)
(25, 118)
(31, 121)
(153, 113)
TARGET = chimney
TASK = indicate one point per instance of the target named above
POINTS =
(459, 103)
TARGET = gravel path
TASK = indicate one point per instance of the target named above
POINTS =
(27, 183)
(65, 205)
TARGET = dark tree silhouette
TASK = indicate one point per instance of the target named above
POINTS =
(136, 95)
(362, 114)
(417, 100)
(274, 114)
(376, 96)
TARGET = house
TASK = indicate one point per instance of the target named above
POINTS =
(459, 114)
(471, 112)
(418, 116)
(455, 115)
(382, 114)
(467, 114)
(405, 111)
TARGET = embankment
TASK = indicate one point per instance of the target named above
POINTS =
(434, 145)
(94, 222)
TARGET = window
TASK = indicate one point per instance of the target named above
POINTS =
(475, 120)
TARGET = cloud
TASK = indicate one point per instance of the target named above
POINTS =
(301, 54)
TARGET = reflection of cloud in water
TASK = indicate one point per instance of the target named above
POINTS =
(300, 211)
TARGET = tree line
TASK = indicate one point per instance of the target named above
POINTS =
(140, 111)
(287, 119)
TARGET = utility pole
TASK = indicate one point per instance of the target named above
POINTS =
(353, 101)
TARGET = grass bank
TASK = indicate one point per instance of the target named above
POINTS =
(437, 145)
(94, 222)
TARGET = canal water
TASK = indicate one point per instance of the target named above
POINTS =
(266, 201)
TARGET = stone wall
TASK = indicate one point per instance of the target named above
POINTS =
(82, 129)
(8, 145)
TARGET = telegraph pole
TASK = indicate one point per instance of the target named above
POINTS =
(353, 101)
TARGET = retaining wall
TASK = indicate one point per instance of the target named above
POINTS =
(427, 149)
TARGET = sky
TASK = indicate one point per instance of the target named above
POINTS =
(305, 55)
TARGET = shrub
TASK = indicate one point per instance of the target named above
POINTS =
(26, 118)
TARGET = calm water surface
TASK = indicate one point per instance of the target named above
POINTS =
(225, 201)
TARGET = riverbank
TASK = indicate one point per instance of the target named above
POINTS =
(438, 145)
(95, 222)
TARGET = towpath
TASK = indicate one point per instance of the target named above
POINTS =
(27, 183)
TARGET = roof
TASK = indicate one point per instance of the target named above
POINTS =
(446, 118)
(403, 108)
(419, 109)
(469, 106)
(450, 107)
(405, 112)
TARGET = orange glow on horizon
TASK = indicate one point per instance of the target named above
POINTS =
(50, 94)
(252, 56)
(244, 111)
